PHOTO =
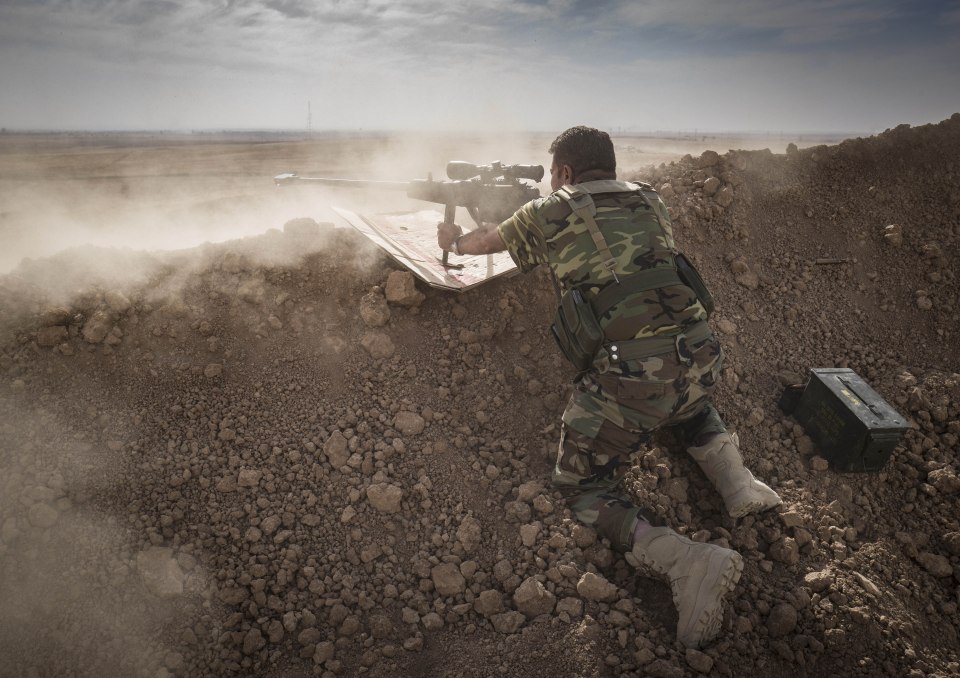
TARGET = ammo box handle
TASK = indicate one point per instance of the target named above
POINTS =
(871, 407)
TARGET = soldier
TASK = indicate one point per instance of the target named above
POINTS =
(656, 365)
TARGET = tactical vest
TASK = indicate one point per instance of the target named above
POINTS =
(576, 326)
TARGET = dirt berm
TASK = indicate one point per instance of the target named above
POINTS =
(277, 457)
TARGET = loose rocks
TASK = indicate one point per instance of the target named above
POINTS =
(253, 641)
(160, 572)
(935, 564)
(249, 477)
(532, 599)
(785, 550)
(698, 661)
(782, 620)
(96, 328)
(469, 534)
(401, 289)
(595, 587)
(409, 423)
(374, 309)
(508, 622)
(818, 581)
(337, 449)
(213, 370)
(488, 603)
(945, 480)
(385, 497)
(51, 336)
(724, 197)
(447, 579)
(708, 159)
(378, 345)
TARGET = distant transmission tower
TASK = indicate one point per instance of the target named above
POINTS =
(309, 116)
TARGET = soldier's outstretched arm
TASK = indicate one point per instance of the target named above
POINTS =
(484, 240)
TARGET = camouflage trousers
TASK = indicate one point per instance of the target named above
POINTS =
(611, 416)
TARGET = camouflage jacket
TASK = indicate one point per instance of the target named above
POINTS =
(546, 231)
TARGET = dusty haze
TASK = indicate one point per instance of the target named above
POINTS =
(167, 191)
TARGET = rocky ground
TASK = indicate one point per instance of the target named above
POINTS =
(279, 456)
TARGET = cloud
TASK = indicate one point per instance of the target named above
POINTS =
(386, 63)
(794, 22)
(291, 9)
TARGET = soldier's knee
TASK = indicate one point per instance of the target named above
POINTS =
(568, 482)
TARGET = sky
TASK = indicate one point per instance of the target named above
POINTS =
(461, 65)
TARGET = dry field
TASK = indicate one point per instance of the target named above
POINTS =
(264, 451)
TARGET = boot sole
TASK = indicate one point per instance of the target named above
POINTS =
(722, 574)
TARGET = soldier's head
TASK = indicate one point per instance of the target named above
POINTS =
(578, 150)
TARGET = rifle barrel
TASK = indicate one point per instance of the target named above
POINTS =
(346, 183)
(491, 201)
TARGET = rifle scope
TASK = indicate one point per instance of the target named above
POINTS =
(458, 170)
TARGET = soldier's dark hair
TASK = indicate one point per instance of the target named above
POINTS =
(584, 149)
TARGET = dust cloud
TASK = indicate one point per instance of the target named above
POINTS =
(73, 595)
(151, 192)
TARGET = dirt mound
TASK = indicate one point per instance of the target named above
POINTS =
(275, 456)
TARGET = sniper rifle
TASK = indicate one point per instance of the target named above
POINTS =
(489, 193)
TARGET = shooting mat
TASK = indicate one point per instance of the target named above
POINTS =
(410, 238)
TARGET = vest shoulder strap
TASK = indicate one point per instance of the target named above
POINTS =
(582, 204)
(580, 199)
(642, 188)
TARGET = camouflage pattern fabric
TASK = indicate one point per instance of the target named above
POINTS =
(669, 388)
(610, 415)
(597, 444)
(587, 474)
(589, 469)
(546, 231)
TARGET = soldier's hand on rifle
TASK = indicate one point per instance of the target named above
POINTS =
(446, 234)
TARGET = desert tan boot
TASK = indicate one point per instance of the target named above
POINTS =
(742, 493)
(700, 576)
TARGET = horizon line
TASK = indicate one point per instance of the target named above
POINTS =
(613, 131)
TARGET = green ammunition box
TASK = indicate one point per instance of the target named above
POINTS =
(854, 427)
